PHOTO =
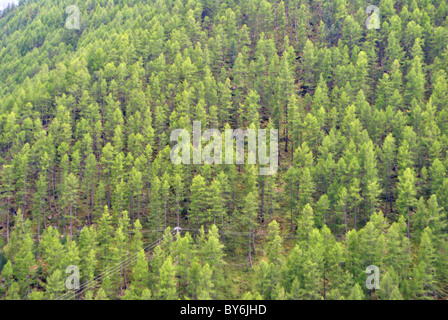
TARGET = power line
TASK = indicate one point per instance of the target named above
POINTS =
(91, 283)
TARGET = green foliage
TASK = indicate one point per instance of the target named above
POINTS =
(86, 177)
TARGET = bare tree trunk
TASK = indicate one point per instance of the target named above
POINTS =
(345, 219)
(71, 223)
(325, 287)
(108, 192)
(91, 204)
(292, 150)
(295, 27)
(199, 206)
(125, 280)
(233, 201)
(222, 226)
(253, 239)
(38, 230)
(262, 201)
(24, 202)
(131, 202)
(7, 227)
(249, 257)
(45, 212)
(178, 213)
(165, 211)
(138, 207)
(409, 235)
(87, 207)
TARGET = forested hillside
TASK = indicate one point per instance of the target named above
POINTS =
(86, 178)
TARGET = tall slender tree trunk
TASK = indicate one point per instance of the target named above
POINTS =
(345, 220)
(250, 256)
(24, 201)
(165, 211)
(91, 203)
(138, 209)
(292, 150)
(325, 283)
(408, 225)
(262, 202)
(38, 229)
(253, 239)
(71, 223)
(178, 212)
(87, 208)
(49, 207)
(7, 227)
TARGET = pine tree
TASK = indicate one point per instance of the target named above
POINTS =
(25, 266)
(305, 223)
(165, 190)
(249, 213)
(166, 286)
(406, 195)
(371, 183)
(307, 188)
(217, 209)
(308, 63)
(389, 287)
(137, 243)
(178, 193)
(70, 198)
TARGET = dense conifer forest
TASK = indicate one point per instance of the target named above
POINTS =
(359, 99)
